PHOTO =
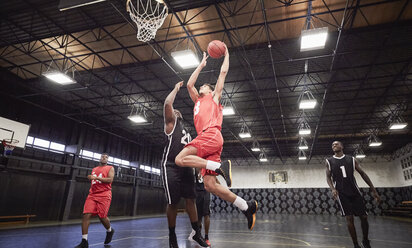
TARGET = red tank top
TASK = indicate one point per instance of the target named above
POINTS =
(207, 113)
(99, 188)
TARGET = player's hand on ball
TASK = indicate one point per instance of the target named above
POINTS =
(178, 85)
(335, 194)
(203, 63)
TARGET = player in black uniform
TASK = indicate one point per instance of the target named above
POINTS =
(177, 181)
(202, 205)
(340, 169)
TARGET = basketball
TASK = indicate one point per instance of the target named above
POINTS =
(216, 49)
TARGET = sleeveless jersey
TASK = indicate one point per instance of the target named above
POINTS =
(343, 169)
(176, 141)
(207, 113)
(99, 188)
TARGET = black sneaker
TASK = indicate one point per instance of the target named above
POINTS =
(200, 240)
(173, 241)
(109, 236)
(250, 213)
(366, 244)
(225, 170)
(83, 244)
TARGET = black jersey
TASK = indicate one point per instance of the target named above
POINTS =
(176, 141)
(343, 169)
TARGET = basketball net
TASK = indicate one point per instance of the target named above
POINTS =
(148, 15)
(9, 145)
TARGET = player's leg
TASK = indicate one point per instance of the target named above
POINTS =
(352, 230)
(365, 231)
(207, 226)
(103, 206)
(248, 208)
(187, 189)
(89, 208)
(171, 184)
(206, 215)
(188, 157)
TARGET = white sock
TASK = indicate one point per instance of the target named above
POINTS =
(84, 236)
(110, 229)
(212, 165)
(240, 203)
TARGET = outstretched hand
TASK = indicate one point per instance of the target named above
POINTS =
(178, 85)
(376, 196)
(204, 60)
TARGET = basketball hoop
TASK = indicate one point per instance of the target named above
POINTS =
(9, 145)
(148, 15)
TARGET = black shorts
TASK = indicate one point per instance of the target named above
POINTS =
(178, 182)
(352, 205)
(202, 203)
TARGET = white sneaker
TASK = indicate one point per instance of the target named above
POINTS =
(191, 235)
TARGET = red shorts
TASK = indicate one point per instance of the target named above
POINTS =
(97, 205)
(209, 145)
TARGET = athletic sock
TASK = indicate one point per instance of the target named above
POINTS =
(240, 203)
(84, 236)
(206, 236)
(212, 165)
(110, 229)
(172, 230)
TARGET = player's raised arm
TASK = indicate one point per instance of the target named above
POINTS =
(168, 113)
(217, 94)
(193, 78)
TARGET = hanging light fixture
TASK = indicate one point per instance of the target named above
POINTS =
(255, 146)
(303, 144)
(313, 39)
(244, 132)
(374, 141)
(398, 124)
(301, 155)
(262, 157)
(137, 115)
(304, 128)
(359, 153)
(307, 100)
(227, 107)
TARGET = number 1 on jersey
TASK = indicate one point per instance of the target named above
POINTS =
(343, 171)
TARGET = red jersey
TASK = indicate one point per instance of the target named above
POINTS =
(99, 188)
(207, 113)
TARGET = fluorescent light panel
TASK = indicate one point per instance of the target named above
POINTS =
(307, 104)
(302, 158)
(228, 111)
(304, 131)
(303, 147)
(255, 149)
(137, 118)
(360, 156)
(397, 126)
(244, 135)
(59, 77)
(375, 144)
(263, 159)
(80, 5)
(185, 59)
(313, 39)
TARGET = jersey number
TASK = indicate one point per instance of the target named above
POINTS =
(97, 181)
(343, 171)
(197, 108)
(186, 137)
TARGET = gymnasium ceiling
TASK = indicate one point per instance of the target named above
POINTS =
(360, 79)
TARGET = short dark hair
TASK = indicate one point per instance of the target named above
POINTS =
(104, 153)
(339, 142)
(210, 86)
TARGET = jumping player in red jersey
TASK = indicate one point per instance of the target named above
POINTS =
(204, 151)
(98, 200)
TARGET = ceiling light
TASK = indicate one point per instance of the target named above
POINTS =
(374, 141)
(398, 125)
(262, 157)
(245, 135)
(137, 118)
(307, 104)
(313, 39)
(359, 153)
(304, 128)
(304, 131)
(185, 59)
(360, 156)
(303, 145)
(59, 77)
(302, 157)
(255, 149)
(228, 110)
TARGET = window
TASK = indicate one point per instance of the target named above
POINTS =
(29, 140)
(41, 143)
(57, 147)
(405, 165)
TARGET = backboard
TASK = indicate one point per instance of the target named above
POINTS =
(14, 130)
